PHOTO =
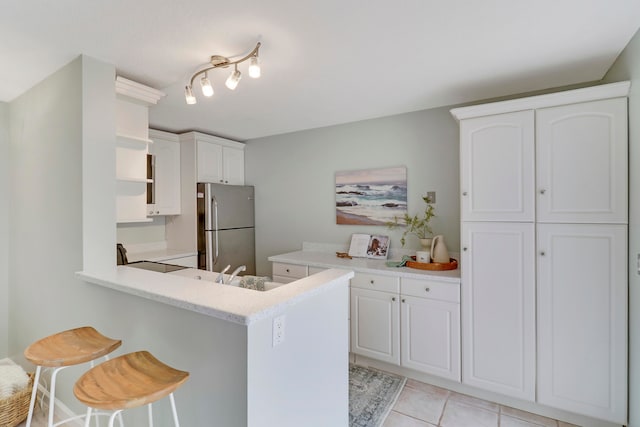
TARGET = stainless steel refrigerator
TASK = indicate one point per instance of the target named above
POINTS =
(225, 227)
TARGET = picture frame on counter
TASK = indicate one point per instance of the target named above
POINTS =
(374, 246)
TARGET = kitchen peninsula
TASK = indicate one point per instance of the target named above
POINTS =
(243, 371)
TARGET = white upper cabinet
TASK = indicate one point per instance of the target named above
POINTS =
(582, 162)
(219, 160)
(165, 186)
(582, 317)
(209, 159)
(497, 167)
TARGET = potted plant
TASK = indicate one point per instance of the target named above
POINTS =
(416, 225)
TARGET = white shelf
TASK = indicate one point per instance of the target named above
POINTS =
(134, 179)
(134, 139)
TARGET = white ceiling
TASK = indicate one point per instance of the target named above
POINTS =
(324, 62)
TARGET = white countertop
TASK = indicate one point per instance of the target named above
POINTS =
(159, 255)
(230, 303)
(363, 265)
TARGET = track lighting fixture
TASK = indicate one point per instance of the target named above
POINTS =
(218, 61)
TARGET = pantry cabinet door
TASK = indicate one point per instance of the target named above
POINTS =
(497, 167)
(582, 162)
(375, 325)
(582, 319)
(498, 308)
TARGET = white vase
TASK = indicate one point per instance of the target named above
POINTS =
(426, 244)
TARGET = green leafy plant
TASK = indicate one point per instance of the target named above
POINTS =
(417, 225)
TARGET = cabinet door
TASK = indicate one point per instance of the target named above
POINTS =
(582, 162)
(166, 177)
(233, 165)
(430, 332)
(375, 325)
(582, 318)
(209, 162)
(497, 167)
(498, 307)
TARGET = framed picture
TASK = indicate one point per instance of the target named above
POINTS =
(369, 246)
(371, 196)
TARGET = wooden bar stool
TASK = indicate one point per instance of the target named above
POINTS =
(62, 350)
(126, 382)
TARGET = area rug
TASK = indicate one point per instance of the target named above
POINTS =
(372, 394)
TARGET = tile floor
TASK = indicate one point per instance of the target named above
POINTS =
(424, 405)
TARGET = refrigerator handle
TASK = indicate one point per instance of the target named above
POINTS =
(208, 264)
(215, 220)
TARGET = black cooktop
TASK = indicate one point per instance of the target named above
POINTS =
(156, 266)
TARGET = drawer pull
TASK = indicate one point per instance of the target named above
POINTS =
(393, 299)
(372, 281)
(402, 299)
(427, 289)
(288, 271)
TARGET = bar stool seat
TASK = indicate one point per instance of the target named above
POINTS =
(128, 381)
(67, 348)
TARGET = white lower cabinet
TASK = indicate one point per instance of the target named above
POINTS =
(413, 323)
(375, 324)
(498, 310)
(582, 318)
(430, 327)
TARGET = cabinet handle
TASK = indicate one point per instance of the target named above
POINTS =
(221, 181)
(372, 281)
(464, 249)
(226, 182)
(393, 299)
(402, 299)
(427, 289)
(288, 270)
(543, 191)
(464, 193)
(542, 253)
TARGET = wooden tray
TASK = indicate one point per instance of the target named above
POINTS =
(434, 266)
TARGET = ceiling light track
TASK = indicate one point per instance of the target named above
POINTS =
(218, 61)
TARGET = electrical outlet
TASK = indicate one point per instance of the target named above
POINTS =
(432, 196)
(278, 330)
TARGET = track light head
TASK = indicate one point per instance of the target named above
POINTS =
(188, 95)
(233, 79)
(207, 89)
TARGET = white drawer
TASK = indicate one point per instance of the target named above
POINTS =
(289, 270)
(376, 282)
(430, 289)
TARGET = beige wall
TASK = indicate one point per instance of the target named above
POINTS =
(4, 228)
(294, 176)
(627, 67)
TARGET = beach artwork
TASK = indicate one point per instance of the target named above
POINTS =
(371, 196)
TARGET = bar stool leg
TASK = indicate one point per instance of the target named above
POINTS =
(150, 414)
(52, 394)
(175, 412)
(87, 420)
(34, 393)
(112, 418)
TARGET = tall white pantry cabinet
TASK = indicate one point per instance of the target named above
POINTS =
(544, 249)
